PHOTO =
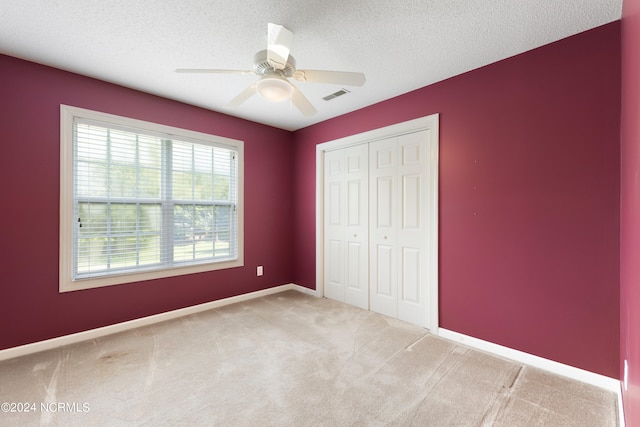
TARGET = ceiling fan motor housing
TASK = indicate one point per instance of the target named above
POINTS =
(261, 65)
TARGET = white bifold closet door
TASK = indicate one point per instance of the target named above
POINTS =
(399, 194)
(346, 225)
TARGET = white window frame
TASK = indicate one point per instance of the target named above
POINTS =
(66, 278)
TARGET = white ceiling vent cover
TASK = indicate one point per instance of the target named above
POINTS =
(336, 94)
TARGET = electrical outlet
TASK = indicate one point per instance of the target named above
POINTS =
(626, 374)
(260, 271)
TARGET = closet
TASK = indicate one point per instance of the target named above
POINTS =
(380, 225)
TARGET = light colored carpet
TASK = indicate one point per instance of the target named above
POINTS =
(290, 360)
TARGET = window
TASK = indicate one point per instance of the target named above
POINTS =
(140, 201)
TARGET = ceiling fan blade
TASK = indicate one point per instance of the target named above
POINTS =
(334, 77)
(302, 103)
(242, 97)
(209, 70)
(278, 45)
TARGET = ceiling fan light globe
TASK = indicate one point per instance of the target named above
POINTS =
(274, 89)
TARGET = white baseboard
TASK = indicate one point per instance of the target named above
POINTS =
(304, 290)
(23, 350)
(558, 368)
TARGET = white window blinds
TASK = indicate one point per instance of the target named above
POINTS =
(147, 200)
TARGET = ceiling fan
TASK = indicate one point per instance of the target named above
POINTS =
(275, 66)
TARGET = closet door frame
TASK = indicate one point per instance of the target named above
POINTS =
(429, 123)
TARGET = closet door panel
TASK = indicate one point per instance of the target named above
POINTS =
(346, 225)
(382, 234)
(410, 282)
(334, 286)
(412, 230)
(410, 202)
(334, 225)
(357, 226)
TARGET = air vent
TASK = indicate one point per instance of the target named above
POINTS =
(336, 94)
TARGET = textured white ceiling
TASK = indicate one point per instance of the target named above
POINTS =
(400, 46)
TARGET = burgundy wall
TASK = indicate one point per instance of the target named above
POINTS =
(630, 209)
(529, 197)
(31, 308)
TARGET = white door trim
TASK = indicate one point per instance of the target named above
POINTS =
(422, 123)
